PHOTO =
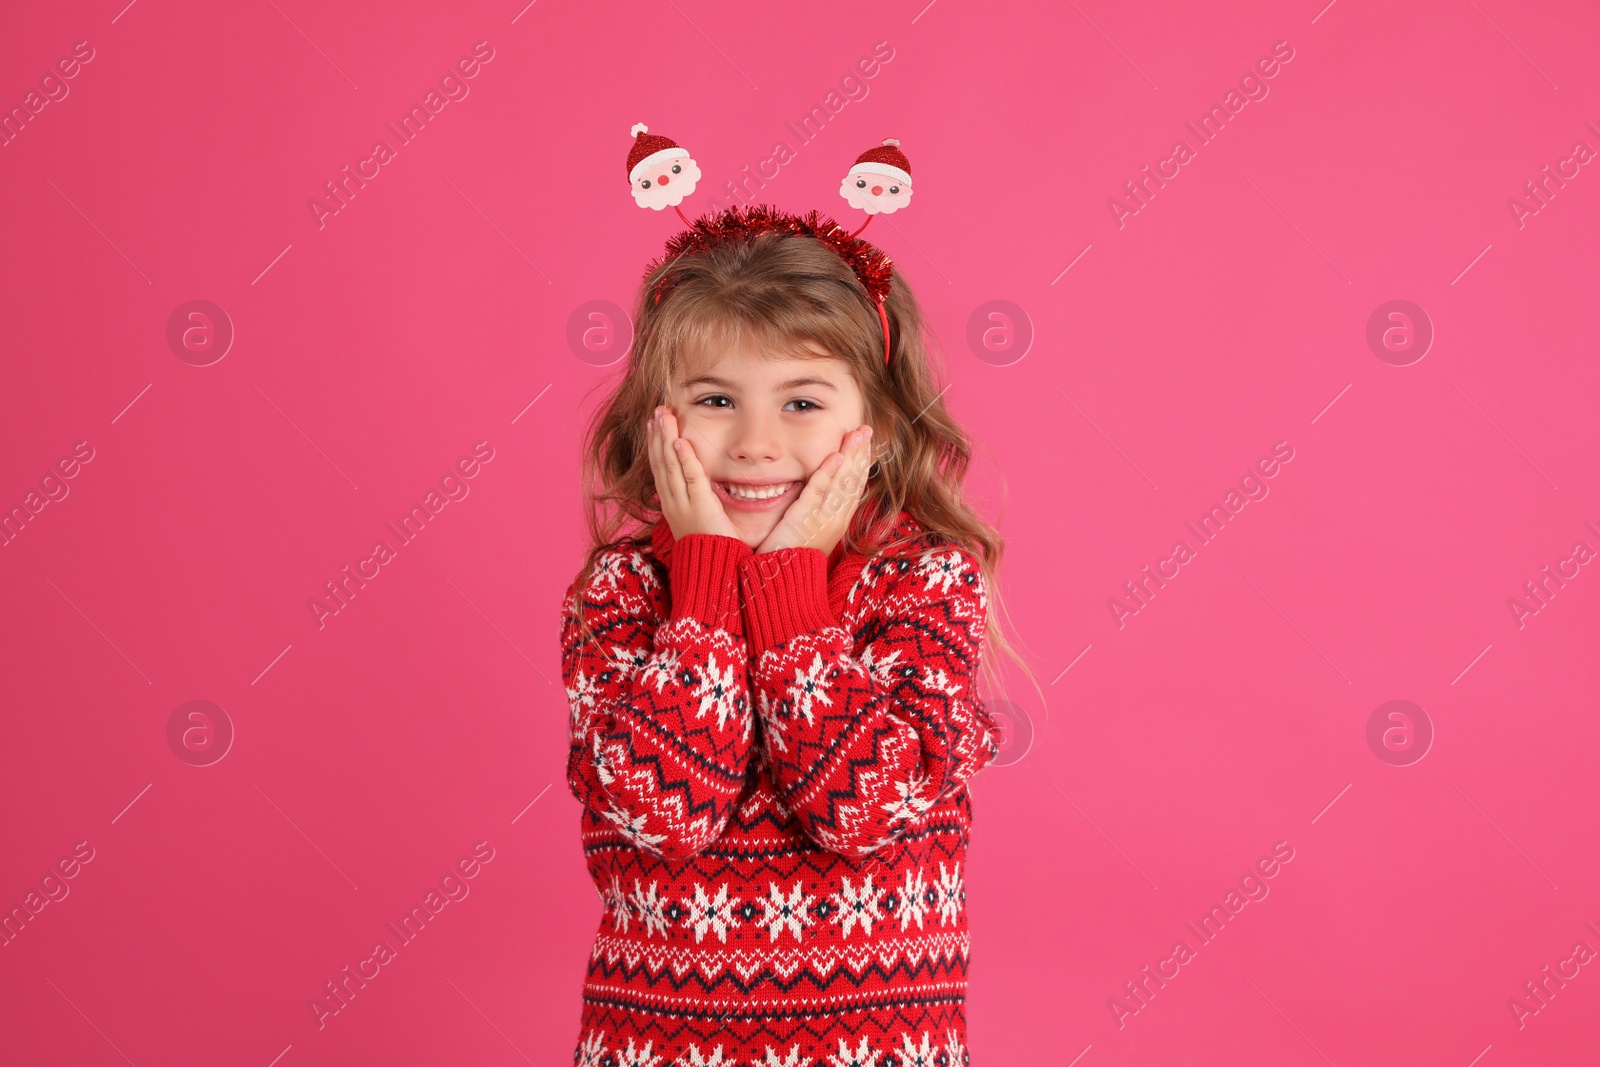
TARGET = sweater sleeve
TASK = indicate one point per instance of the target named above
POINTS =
(659, 697)
(862, 745)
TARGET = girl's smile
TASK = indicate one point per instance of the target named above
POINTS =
(762, 425)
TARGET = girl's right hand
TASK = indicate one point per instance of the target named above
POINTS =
(688, 502)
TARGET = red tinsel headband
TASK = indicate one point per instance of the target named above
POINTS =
(661, 174)
(871, 266)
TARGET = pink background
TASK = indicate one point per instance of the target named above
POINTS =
(431, 313)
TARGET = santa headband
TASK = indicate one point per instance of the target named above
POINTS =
(662, 174)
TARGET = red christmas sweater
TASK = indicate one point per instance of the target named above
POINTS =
(772, 754)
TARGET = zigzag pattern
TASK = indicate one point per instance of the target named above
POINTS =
(777, 835)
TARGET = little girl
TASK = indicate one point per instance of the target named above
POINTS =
(774, 682)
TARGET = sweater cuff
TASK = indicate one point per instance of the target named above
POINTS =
(704, 579)
(785, 594)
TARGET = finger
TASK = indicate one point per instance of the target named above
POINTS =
(668, 487)
(695, 480)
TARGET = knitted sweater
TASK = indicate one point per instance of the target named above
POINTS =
(771, 751)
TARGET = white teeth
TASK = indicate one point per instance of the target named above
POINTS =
(741, 493)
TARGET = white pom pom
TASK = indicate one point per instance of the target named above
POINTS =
(639, 127)
(892, 140)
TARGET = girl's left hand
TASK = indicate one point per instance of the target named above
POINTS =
(821, 515)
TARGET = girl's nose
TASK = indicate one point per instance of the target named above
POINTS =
(877, 190)
(663, 180)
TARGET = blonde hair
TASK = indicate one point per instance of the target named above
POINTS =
(793, 296)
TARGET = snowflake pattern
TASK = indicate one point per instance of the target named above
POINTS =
(913, 900)
(913, 802)
(879, 667)
(793, 1059)
(943, 569)
(592, 1050)
(662, 668)
(651, 908)
(857, 906)
(861, 1056)
(913, 1055)
(715, 914)
(629, 1057)
(955, 1048)
(692, 1057)
(791, 913)
(719, 689)
(810, 687)
(616, 901)
(629, 826)
(951, 894)
(615, 571)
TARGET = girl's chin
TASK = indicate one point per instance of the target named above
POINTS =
(753, 529)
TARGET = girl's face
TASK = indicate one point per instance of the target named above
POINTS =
(763, 426)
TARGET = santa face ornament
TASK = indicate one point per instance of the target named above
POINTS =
(660, 173)
(880, 180)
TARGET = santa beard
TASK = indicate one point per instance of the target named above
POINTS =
(661, 197)
(863, 200)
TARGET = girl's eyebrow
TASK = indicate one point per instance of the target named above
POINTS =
(792, 383)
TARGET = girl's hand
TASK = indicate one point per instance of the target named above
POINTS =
(821, 515)
(688, 502)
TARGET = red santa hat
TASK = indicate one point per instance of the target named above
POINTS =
(886, 159)
(648, 150)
